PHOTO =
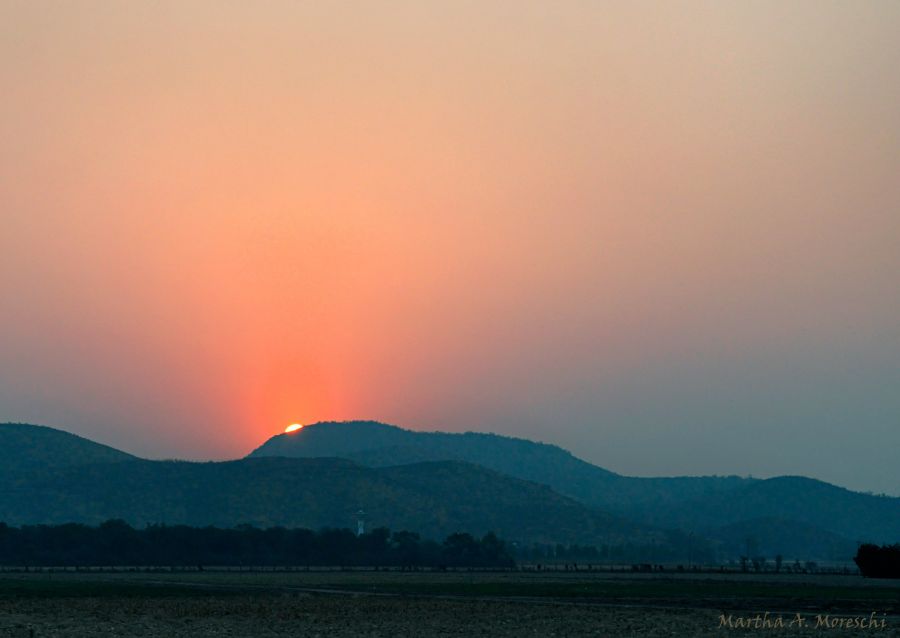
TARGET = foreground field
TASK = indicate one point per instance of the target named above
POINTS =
(378, 604)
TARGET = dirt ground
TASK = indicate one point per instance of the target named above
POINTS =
(360, 616)
(273, 612)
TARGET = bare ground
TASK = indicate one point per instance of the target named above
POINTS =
(268, 609)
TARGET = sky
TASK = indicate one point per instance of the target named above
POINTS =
(663, 235)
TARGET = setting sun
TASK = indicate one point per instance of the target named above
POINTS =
(293, 428)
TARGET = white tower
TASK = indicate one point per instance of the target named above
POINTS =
(360, 523)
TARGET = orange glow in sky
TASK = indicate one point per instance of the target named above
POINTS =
(605, 225)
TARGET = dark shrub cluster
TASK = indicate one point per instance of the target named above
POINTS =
(116, 543)
(878, 562)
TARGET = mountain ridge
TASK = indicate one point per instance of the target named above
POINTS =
(58, 477)
(378, 445)
(434, 499)
(23, 445)
(691, 504)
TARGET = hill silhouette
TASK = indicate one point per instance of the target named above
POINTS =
(437, 484)
(25, 448)
(702, 505)
(852, 515)
(380, 445)
(435, 499)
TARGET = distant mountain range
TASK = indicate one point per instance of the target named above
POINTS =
(436, 484)
(59, 478)
(714, 507)
(379, 445)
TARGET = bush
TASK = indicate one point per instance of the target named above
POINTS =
(878, 562)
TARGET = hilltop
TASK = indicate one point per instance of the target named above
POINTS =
(437, 484)
(712, 506)
(26, 448)
(379, 445)
(432, 498)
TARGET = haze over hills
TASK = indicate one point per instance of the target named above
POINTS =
(436, 484)
(434, 498)
(771, 537)
(378, 445)
(855, 516)
(702, 505)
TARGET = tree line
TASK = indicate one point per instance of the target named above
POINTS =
(116, 543)
(878, 561)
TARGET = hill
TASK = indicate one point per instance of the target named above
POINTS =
(58, 478)
(434, 499)
(771, 537)
(705, 505)
(28, 448)
(436, 484)
(380, 445)
(851, 515)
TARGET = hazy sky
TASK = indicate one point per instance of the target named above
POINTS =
(665, 235)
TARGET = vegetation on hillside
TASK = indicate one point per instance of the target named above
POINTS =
(535, 493)
(380, 445)
(435, 499)
(24, 448)
(800, 508)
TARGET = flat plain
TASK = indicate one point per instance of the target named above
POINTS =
(380, 603)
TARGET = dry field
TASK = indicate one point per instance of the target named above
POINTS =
(335, 605)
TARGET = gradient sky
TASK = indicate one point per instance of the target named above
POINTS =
(665, 236)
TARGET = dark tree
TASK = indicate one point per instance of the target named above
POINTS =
(878, 562)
